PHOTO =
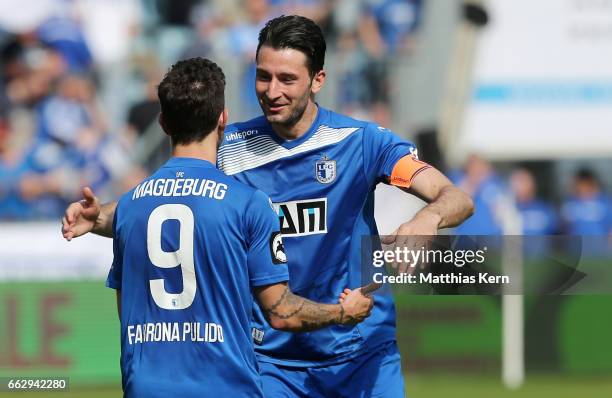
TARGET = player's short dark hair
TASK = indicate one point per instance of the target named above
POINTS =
(297, 33)
(191, 96)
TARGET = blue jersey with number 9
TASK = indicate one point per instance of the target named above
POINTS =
(190, 244)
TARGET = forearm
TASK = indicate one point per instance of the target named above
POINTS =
(450, 208)
(298, 314)
(104, 223)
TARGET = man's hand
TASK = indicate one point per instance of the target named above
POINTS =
(414, 235)
(356, 306)
(80, 217)
(424, 223)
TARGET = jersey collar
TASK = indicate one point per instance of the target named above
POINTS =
(188, 162)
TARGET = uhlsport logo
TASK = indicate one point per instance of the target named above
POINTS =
(325, 170)
(302, 217)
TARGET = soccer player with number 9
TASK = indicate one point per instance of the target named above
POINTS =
(320, 168)
(191, 248)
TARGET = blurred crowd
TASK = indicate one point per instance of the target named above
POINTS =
(514, 206)
(78, 104)
(78, 81)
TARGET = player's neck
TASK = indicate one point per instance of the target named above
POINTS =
(205, 149)
(299, 128)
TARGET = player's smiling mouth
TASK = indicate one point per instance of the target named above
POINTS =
(275, 107)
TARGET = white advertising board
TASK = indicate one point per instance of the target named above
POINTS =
(37, 251)
(542, 82)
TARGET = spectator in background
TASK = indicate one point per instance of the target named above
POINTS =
(60, 158)
(490, 196)
(29, 70)
(537, 216)
(317, 10)
(241, 42)
(385, 28)
(209, 19)
(588, 211)
(150, 150)
(12, 167)
(144, 113)
(63, 34)
(110, 28)
(71, 109)
(388, 24)
(350, 61)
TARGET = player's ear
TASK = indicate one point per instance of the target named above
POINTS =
(160, 120)
(318, 81)
(221, 123)
(223, 117)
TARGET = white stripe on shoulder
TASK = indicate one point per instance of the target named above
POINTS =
(248, 154)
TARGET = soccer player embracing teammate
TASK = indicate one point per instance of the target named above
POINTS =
(320, 170)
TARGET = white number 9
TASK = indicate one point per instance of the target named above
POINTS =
(183, 256)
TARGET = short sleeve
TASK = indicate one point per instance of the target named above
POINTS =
(382, 149)
(266, 258)
(114, 275)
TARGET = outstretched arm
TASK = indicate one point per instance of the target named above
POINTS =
(287, 311)
(87, 215)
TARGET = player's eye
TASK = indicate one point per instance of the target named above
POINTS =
(263, 77)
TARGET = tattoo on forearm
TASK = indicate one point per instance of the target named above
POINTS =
(311, 315)
(289, 299)
(279, 301)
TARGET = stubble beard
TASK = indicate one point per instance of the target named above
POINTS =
(294, 116)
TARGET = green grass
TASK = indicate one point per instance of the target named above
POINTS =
(442, 386)
(76, 392)
(556, 386)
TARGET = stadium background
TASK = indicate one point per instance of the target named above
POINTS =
(483, 88)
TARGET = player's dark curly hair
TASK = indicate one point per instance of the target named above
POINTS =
(191, 96)
(298, 33)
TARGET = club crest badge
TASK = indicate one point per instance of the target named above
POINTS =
(325, 170)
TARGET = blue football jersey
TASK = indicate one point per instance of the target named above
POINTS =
(190, 243)
(322, 185)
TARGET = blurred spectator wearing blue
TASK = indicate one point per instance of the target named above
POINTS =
(490, 197)
(389, 23)
(537, 216)
(61, 116)
(68, 150)
(65, 36)
(12, 207)
(384, 29)
(589, 210)
(241, 42)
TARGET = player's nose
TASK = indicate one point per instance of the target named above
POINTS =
(273, 90)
